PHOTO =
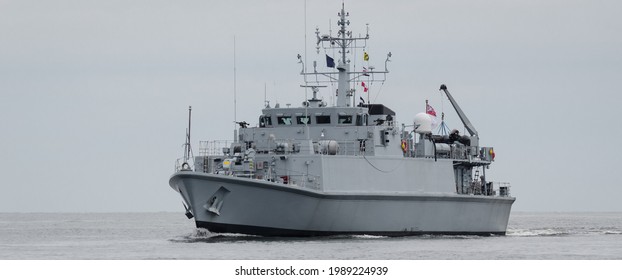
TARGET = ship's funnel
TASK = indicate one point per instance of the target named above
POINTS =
(423, 123)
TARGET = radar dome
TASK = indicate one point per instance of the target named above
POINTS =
(423, 123)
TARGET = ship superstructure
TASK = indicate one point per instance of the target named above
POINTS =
(343, 168)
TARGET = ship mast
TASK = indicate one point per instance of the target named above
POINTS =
(343, 42)
(343, 88)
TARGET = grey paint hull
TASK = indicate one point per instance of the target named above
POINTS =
(271, 209)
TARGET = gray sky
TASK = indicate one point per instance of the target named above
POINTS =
(94, 94)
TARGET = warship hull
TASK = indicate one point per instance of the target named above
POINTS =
(226, 204)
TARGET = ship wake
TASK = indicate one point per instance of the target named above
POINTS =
(543, 232)
(201, 235)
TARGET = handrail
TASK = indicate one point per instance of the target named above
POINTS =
(180, 163)
(504, 189)
(213, 147)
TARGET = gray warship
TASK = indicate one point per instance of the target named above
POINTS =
(347, 168)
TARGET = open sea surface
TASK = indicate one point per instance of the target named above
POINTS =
(71, 236)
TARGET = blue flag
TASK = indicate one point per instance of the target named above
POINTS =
(330, 62)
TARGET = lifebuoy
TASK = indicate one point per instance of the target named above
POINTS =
(404, 146)
(185, 166)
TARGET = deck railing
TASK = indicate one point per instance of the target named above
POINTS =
(213, 147)
(503, 189)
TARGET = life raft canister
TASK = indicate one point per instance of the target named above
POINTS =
(404, 146)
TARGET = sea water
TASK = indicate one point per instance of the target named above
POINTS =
(128, 236)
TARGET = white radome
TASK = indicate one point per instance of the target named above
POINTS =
(423, 123)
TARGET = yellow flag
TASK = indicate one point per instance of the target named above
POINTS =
(365, 56)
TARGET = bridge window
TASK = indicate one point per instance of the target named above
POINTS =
(345, 119)
(303, 119)
(322, 119)
(286, 120)
(265, 121)
(361, 119)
